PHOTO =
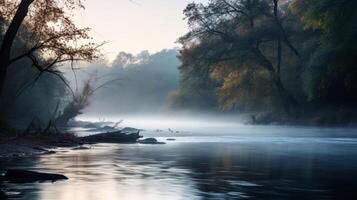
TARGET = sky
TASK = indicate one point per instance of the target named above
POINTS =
(134, 25)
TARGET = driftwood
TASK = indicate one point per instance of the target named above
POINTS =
(113, 137)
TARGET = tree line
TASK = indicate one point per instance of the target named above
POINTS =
(269, 56)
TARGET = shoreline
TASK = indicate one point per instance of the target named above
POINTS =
(323, 120)
(35, 145)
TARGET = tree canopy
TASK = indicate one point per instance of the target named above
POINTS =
(38, 37)
(269, 54)
(46, 32)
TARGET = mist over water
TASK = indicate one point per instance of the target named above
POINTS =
(211, 158)
(164, 121)
(205, 124)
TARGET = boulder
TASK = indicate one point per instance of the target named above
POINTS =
(150, 141)
(24, 176)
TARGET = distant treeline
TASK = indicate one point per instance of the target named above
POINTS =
(141, 83)
(269, 56)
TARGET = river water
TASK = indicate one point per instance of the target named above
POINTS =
(206, 161)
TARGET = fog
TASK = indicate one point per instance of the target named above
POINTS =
(133, 84)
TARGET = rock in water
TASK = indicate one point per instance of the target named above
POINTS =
(112, 137)
(24, 176)
(150, 141)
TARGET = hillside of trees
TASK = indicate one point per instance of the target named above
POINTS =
(136, 84)
(287, 59)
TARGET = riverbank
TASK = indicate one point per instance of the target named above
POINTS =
(331, 118)
(32, 144)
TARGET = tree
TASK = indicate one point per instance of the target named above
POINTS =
(49, 36)
(241, 33)
(331, 73)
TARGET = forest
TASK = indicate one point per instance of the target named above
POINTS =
(279, 61)
(287, 59)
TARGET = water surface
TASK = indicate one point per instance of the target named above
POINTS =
(226, 162)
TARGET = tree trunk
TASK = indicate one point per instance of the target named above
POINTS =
(9, 38)
(288, 100)
(283, 35)
(3, 72)
(286, 97)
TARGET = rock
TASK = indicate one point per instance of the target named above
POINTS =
(150, 141)
(170, 139)
(112, 137)
(24, 176)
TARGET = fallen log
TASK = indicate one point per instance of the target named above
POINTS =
(112, 137)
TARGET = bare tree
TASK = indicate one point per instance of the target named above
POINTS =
(81, 99)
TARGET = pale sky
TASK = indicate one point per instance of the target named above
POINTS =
(136, 25)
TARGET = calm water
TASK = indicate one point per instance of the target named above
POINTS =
(228, 162)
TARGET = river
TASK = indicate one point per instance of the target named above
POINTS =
(208, 160)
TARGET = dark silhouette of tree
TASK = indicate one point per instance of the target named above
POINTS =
(49, 36)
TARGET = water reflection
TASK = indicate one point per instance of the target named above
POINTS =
(253, 169)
